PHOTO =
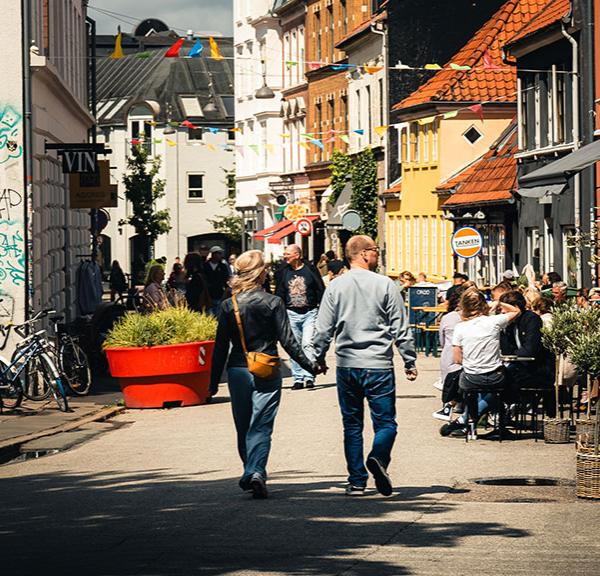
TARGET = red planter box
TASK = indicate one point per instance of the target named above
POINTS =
(163, 376)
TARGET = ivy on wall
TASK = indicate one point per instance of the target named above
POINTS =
(363, 170)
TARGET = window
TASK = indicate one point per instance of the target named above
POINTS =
(426, 130)
(318, 34)
(548, 245)
(434, 141)
(472, 135)
(331, 112)
(331, 43)
(344, 7)
(569, 257)
(196, 186)
(381, 103)
(414, 142)
(359, 111)
(344, 112)
(369, 116)
(231, 134)
(533, 248)
(140, 129)
(195, 133)
(231, 185)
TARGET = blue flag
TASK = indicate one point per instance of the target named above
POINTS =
(196, 50)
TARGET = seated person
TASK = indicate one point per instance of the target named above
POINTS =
(523, 338)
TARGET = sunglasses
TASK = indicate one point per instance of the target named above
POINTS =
(373, 249)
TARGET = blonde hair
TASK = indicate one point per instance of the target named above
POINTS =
(473, 304)
(249, 267)
(531, 295)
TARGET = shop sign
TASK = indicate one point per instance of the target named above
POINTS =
(467, 242)
(295, 211)
(304, 227)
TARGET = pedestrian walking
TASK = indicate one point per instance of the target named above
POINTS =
(301, 287)
(216, 271)
(196, 290)
(253, 321)
(365, 312)
(116, 281)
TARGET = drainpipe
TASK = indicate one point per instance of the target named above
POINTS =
(28, 157)
(577, 177)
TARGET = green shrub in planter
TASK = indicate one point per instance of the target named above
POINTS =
(177, 325)
(565, 326)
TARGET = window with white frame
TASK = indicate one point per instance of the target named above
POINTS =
(533, 248)
(548, 245)
(408, 246)
(140, 120)
(569, 256)
(417, 243)
(425, 260)
(426, 130)
(434, 141)
(195, 186)
(392, 242)
(472, 135)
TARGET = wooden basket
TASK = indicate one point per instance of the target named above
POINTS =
(588, 472)
(556, 431)
(584, 430)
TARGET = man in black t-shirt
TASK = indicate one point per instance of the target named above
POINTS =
(300, 286)
(217, 276)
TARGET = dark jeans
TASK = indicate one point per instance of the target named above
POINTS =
(379, 389)
(486, 384)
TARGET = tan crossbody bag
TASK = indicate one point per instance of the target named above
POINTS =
(260, 364)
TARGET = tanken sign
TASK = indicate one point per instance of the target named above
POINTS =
(467, 242)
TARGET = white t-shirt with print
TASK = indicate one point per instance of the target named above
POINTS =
(480, 342)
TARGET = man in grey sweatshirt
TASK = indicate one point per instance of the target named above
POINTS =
(365, 313)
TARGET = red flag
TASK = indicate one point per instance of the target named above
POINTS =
(173, 51)
(488, 62)
(314, 65)
(135, 142)
(187, 124)
(478, 109)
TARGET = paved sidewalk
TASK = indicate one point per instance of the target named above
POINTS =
(159, 496)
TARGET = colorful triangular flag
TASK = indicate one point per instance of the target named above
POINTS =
(290, 63)
(372, 69)
(452, 114)
(381, 130)
(254, 148)
(478, 109)
(118, 51)
(144, 55)
(359, 132)
(215, 53)
(240, 150)
(488, 62)
(211, 147)
(196, 50)
(432, 67)
(425, 121)
(173, 51)
(345, 138)
(305, 145)
(213, 130)
(187, 124)
(459, 67)
(285, 135)
(317, 142)
(157, 140)
(171, 142)
(313, 65)
(135, 141)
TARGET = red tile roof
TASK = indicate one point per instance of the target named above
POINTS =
(491, 179)
(553, 12)
(479, 85)
(394, 188)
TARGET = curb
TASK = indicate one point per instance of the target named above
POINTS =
(12, 444)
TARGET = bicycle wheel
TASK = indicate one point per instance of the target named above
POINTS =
(50, 373)
(35, 386)
(11, 394)
(75, 367)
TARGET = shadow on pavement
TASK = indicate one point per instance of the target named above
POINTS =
(156, 522)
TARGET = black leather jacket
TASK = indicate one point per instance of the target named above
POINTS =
(265, 322)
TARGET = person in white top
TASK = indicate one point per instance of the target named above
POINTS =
(476, 342)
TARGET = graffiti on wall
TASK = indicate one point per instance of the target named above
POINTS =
(12, 197)
(11, 145)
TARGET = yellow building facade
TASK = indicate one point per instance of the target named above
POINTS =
(417, 234)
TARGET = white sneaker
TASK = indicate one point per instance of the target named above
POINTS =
(445, 413)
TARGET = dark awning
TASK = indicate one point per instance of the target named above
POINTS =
(559, 171)
(541, 191)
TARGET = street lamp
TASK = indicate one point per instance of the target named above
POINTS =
(264, 92)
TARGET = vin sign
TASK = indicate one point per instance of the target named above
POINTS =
(79, 162)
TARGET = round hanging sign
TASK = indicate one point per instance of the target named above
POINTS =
(295, 211)
(467, 242)
(304, 227)
(351, 220)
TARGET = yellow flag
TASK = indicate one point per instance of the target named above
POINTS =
(211, 147)
(118, 51)
(285, 135)
(381, 130)
(270, 148)
(305, 145)
(170, 142)
(215, 54)
(432, 67)
(428, 120)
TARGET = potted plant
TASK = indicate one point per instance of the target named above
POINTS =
(162, 359)
(585, 354)
(557, 337)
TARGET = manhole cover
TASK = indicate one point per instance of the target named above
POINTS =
(524, 481)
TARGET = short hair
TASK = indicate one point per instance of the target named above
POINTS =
(331, 255)
(473, 304)
(192, 263)
(560, 284)
(295, 248)
(514, 298)
(356, 245)
(502, 287)
(554, 277)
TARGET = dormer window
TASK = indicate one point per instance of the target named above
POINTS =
(140, 120)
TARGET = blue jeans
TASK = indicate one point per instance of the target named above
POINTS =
(379, 388)
(215, 309)
(303, 327)
(254, 403)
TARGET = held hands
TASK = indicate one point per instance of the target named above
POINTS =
(320, 368)
(411, 374)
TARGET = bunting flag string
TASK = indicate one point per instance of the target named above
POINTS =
(381, 130)
(196, 50)
(173, 51)
(215, 53)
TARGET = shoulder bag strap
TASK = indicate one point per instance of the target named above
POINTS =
(238, 320)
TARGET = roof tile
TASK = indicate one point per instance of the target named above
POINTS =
(478, 85)
(552, 12)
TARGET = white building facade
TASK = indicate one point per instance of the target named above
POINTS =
(43, 99)
(259, 149)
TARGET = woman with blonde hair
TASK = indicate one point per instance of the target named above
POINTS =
(154, 294)
(476, 342)
(253, 321)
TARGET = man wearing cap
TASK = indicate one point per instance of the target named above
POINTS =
(217, 276)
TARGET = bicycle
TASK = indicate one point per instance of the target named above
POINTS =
(31, 360)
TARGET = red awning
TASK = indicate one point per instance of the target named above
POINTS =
(264, 234)
(288, 229)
